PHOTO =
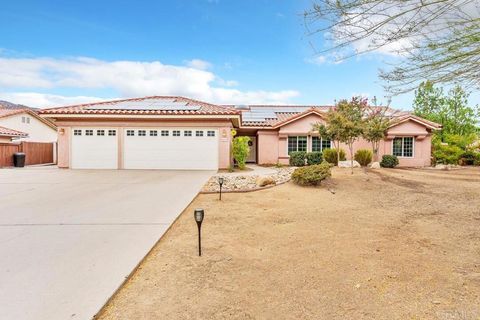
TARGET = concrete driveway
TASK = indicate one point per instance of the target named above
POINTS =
(68, 238)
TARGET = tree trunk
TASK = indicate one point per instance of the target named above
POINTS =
(350, 147)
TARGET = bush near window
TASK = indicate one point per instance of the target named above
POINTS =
(364, 157)
(240, 151)
(297, 158)
(389, 161)
(477, 160)
(314, 158)
(312, 175)
(330, 155)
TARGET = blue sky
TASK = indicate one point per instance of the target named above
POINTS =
(249, 51)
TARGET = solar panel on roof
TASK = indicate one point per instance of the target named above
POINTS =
(147, 104)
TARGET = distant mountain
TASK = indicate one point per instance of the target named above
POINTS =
(14, 106)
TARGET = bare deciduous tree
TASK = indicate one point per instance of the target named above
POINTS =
(437, 40)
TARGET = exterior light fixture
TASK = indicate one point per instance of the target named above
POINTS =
(199, 214)
(220, 182)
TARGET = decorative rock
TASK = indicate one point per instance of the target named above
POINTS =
(374, 165)
(248, 181)
(441, 167)
(348, 164)
(265, 181)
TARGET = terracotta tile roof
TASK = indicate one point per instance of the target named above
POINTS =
(12, 133)
(281, 114)
(114, 107)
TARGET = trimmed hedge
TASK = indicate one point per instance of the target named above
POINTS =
(297, 158)
(314, 158)
(330, 155)
(312, 175)
(389, 161)
(364, 157)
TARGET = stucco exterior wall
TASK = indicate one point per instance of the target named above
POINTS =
(36, 129)
(267, 146)
(65, 128)
(276, 143)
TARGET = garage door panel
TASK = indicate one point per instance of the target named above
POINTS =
(171, 152)
(97, 150)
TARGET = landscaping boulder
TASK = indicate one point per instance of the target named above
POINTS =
(265, 181)
(348, 164)
(374, 165)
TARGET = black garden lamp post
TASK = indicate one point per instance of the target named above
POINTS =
(220, 182)
(199, 214)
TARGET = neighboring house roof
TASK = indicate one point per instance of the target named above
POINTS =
(10, 112)
(7, 132)
(155, 105)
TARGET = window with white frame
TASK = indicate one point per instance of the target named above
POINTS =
(319, 144)
(130, 133)
(142, 133)
(199, 133)
(164, 133)
(297, 144)
(153, 133)
(23, 120)
(77, 132)
(210, 133)
(112, 132)
(176, 133)
(100, 132)
(403, 147)
(28, 119)
(89, 132)
(187, 133)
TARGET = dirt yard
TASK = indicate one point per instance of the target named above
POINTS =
(389, 244)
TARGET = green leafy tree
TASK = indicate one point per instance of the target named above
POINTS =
(450, 110)
(350, 123)
(375, 125)
(240, 151)
(344, 124)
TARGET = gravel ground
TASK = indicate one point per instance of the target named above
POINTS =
(388, 244)
(249, 181)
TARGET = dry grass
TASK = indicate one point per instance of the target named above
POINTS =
(390, 244)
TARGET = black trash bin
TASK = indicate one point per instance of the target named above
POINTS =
(19, 159)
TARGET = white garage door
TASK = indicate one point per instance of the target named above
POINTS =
(94, 148)
(171, 148)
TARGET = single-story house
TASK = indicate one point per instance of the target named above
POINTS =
(38, 129)
(163, 132)
(8, 135)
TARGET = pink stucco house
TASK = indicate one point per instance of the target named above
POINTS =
(179, 133)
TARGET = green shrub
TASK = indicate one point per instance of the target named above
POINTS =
(330, 155)
(477, 160)
(240, 151)
(389, 161)
(363, 156)
(312, 175)
(314, 158)
(447, 154)
(468, 158)
(297, 158)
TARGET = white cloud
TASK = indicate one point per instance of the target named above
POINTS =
(45, 100)
(198, 64)
(319, 60)
(126, 78)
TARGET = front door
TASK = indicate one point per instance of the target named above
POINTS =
(252, 157)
